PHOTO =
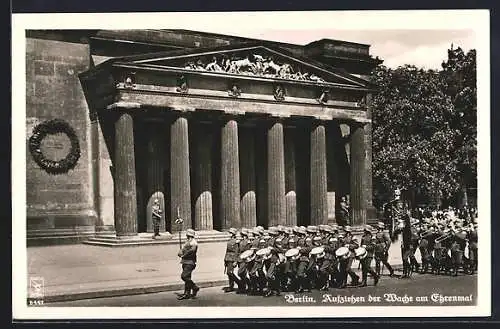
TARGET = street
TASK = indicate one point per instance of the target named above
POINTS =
(430, 290)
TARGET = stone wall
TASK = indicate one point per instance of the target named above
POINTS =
(61, 204)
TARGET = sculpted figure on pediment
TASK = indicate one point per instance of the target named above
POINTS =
(253, 64)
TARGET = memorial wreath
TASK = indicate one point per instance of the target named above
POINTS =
(52, 127)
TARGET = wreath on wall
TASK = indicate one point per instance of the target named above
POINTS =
(52, 127)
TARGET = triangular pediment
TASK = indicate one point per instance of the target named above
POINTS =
(260, 61)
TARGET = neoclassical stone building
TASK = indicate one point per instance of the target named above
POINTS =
(224, 131)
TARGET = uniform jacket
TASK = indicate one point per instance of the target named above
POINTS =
(366, 240)
(232, 250)
(188, 252)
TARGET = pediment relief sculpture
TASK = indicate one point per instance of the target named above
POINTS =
(254, 65)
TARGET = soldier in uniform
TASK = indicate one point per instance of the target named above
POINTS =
(273, 233)
(322, 268)
(301, 236)
(472, 236)
(343, 219)
(271, 263)
(303, 269)
(406, 244)
(424, 248)
(330, 249)
(292, 255)
(382, 245)
(415, 238)
(230, 259)
(256, 273)
(242, 266)
(352, 244)
(365, 258)
(156, 214)
(188, 261)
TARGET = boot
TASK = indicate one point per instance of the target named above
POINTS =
(195, 290)
(375, 279)
(185, 295)
(363, 280)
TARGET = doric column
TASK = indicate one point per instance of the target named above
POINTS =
(230, 176)
(276, 175)
(203, 216)
(290, 178)
(180, 189)
(319, 205)
(155, 189)
(124, 177)
(247, 176)
(357, 164)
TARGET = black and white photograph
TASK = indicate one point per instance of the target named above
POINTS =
(295, 164)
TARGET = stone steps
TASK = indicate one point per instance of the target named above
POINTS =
(144, 239)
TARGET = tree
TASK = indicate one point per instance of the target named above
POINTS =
(459, 73)
(424, 132)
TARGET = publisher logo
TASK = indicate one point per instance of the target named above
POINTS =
(36, 288)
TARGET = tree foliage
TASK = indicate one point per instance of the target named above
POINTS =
(424, 128)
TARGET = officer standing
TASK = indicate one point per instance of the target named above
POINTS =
(188, 261)
(156, 214)
(230, 259)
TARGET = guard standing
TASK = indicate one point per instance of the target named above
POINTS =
(156, 214)
(230, 259)
(188, 261)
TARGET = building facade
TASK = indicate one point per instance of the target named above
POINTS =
(223, 131)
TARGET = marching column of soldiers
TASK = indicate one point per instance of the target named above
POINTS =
(298, 259)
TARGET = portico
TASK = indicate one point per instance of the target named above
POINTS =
(222, 138)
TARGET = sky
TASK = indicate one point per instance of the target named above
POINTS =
(422, 48)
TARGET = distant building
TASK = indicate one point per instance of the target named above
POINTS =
(224, 131)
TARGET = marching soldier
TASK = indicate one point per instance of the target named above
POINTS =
(365, 258)
(352, 244)
(230, 259)
(256, 273)
(365, 255)
(322, 268)
(301, 236)
(188, 261)
(425, 248)
(343, 256)
(242, 265)
(303, 269)
(330, 249)
(292, 256)
(382, 245)
(247, 259)
(156, 214)
(271, 263)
